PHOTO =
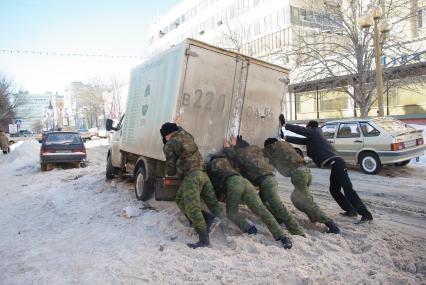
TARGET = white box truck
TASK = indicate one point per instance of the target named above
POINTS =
(214, 92)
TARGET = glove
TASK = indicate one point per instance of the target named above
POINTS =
(251, 230)
(164, 140)
(282, 119)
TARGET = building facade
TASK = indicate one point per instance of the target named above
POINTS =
(270, 29)
(37, 112)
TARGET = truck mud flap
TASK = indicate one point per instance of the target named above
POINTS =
(166, 188)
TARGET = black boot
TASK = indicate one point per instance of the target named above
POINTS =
(285, 241)
(211, 221)
(204, 240)
(367, 218)
(332, 228)
(251, 230)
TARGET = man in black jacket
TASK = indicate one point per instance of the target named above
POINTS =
(324, 155)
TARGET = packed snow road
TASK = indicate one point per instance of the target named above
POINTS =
(65, 226)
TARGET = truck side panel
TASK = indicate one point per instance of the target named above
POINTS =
(153, 93)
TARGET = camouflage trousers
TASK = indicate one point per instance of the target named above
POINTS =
(269, 195)
(240, 191)
(196, 186)
(302, 198)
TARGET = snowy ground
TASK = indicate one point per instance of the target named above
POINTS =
(64, 226)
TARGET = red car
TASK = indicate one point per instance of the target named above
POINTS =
(62, 147)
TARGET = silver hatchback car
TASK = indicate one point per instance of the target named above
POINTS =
(374, 142)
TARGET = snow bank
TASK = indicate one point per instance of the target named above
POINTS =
(65, 227)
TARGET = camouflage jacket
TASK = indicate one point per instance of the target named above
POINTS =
(283, 157)
(182, 155)
(219, 169)
(251, 162)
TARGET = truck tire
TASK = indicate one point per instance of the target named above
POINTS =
(110, 171)
(142, 190)
(370, 163)
(43, 166)
(402, 163)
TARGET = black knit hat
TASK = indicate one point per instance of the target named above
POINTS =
(168, 128)
(241, 142)
(269, 141)
(312, 124)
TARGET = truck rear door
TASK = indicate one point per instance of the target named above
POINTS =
(205, 101)
(261, 108)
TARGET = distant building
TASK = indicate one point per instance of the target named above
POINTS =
(73, 117)
(38, 111)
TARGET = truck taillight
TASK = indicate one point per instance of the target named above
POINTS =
(397, 146)
(419, 141)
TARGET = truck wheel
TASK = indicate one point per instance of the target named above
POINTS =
(402, 163)
(370, 163)
(142, 190)
(43, 166)
(110, 171)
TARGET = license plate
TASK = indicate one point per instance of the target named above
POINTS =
(63, 151)
(410, 143)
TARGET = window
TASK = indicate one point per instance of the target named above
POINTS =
(368, 130)
(421, 18)
(333, 100)
(329, 130)
(348, 130)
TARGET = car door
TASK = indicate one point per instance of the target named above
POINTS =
(116, 144)
(329, 132)
(348, 140)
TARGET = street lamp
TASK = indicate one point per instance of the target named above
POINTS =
(373, 17)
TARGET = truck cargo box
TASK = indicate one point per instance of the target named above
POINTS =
(213, 92)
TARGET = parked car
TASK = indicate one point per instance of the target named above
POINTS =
(62, 147)
(25, 133)
(94, 132)
(84, 134)
(103, 133)
(374, 142)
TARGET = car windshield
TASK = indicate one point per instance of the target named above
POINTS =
(394, 127)
(63, 139)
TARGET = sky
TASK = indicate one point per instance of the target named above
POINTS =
(111, 27)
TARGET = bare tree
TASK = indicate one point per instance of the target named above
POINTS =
(92, 101)
(343, 54)
(114, 96)
(8, 101)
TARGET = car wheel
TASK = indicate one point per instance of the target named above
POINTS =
(83, 164)
(142, 190)
(370, 163)
(109, 173)
(402, 163)
(43, 166)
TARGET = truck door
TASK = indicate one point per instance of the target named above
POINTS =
(262, 103)
(205, 101)
(116, 144)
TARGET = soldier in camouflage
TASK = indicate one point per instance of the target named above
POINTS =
(236, 190)
(184, 160)
(253, 165)
(290, 164)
